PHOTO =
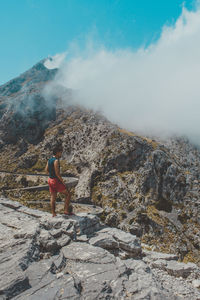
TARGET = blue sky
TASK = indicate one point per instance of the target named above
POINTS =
(30, 30)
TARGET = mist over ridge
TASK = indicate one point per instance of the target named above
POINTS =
(153, 91)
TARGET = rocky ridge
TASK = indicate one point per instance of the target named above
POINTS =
(147, 187)
(80, 258)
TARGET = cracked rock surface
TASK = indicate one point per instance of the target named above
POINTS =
(78, 258)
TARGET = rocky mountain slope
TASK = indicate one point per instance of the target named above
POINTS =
(147, 187)
(78, 258)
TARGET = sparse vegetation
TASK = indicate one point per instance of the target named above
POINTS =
(39, 166)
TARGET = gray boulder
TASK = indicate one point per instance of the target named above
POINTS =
(117, 240)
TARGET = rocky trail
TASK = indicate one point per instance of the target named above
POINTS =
(70, 182)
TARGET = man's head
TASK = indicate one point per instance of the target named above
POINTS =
(57, 150)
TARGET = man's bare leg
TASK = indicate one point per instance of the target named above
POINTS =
(67, 201)
(53, 203)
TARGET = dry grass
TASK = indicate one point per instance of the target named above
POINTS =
(153, 143)
(129, 133)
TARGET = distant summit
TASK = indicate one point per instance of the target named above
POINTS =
(37, 74)
(54, 62)
(24, 111)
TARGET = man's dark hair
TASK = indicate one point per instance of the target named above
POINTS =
(57, 148)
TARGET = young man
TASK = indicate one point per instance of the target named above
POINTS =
(55, 181)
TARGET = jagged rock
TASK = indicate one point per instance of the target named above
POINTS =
(174, 268)
(180, 269)
(39, 264)
(83, 190)
(112, 219)
(15, 283)
(135, 229)
(47, 243)
(117, 240)
(63, 241)
(87, 253)
(141, 283)
(152, 256)
(105, 241)
(88, 224)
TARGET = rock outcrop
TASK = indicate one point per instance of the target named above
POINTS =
(79, 258)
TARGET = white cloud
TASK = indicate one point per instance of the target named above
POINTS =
(55, 61)
(153, 90)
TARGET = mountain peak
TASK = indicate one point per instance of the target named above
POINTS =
(23, 106)
(37, 74)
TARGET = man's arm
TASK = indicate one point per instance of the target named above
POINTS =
(57, 171)
(47, 168)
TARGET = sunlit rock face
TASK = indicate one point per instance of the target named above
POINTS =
(77, 257)
(147, 187)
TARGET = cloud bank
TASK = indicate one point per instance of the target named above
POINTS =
(152, 91)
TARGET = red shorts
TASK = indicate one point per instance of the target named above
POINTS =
(55, 185)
